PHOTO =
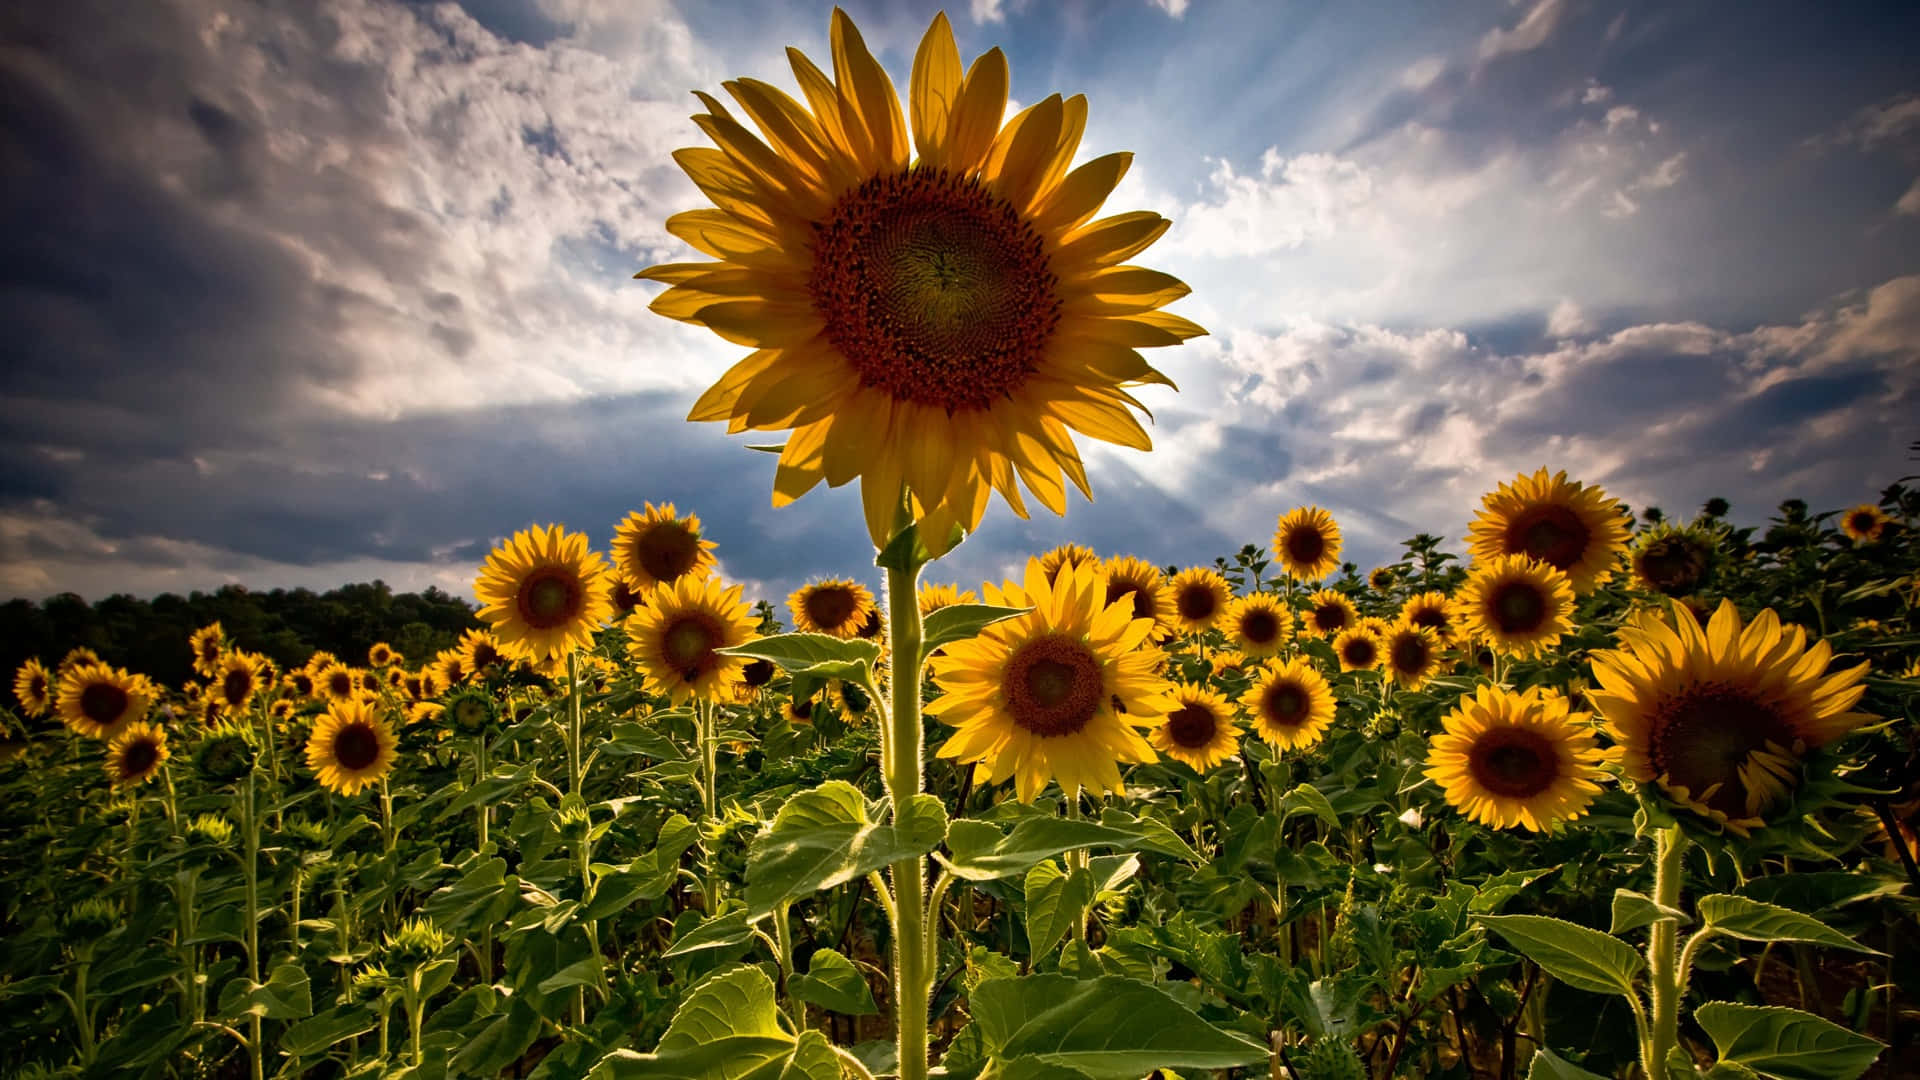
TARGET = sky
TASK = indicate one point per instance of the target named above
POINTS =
(303, 293)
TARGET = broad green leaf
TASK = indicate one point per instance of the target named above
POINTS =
(285, 995)
(725, 930)
(1107, 1028)
(958, 622)
(1633, 910)
(1811, 892)
(1751, 920)
(501, 1042)
(827, 836)
(491, 790)
(313, 1036)
(1574, 954)
(834, 984)
(1785, 1044)
(484, 895)
(800, 652)
(728, 1029)
(1501, 888)
(1055, 899)
(1549, 1066)
(631, 739)
(586, 971)
(981, 852)
(1306, 799)
(647, 877)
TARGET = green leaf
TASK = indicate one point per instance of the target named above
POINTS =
(635, 739)
(586, 971)
(826, 836)
(765, 448)
(284, 996)
(1549, 1066)
(1574, 954)
(1810, 892)
(647, 877)
(1501, 888)
(501, 1042)
(728, 1029)
(1785, 1044)
(484, 895)
(1095, 1027)
(1306, 799)
(491, 790)
(958, 622)
(802, 652)
(1751, 920)
(725, 930)
(1055, 899)
(834, 984)
(1633, 910)
(981, 852)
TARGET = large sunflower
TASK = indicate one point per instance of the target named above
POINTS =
(1199, 731)
(1056, 693)
(351, 747)
(1199, 596)
(235, 680)
(337, 682)
(674, 637)
(135, 755)
(34, 687)
(208, 644)
(100, 701)
(1721, 717)
(1292, 705)
(545, 592)
(1864, 523)
(1258, 624)
(1506, 759)
(655, 547)
(1431, 610)
(1574, 527)
(1411, 654)
(1358, 649)
(1329, 613)
(1307, 543)
(1518, 605)
(1141, 583)
(1670, 561)
(837, 606)
(934, 310)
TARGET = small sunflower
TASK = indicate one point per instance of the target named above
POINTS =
(34, 687)
(320, 661)
(235, 680)
(1230, 663)
(450, 667)
(481, 654)
(1518, 605)
(135, 755)
(337, 682)
(226, 753)
(1864, 523)
(351, 748)
(657, 547)
(1056, 693)
(1505, 759)
(208, 644)
(837, 606)
(1199, 596)
(675, 636)
(1330, 613)
(799, 713)
(1145, 586)
(76, 657)
(1066, 555)
(1258, 625)
(380, 654)
(471, 711)
(370, 682)
(301, 684)
(851, 699)
(1307, 543)
(545, 593)
(1291, 705)
(1431, 610)
(100, 701)
(1574, 527)
(1381, 578)
(934, 597)
(1721, 717)
(1411, 654)
(1199, 731)
(1359, 650)
(1670, 561)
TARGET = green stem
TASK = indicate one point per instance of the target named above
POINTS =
(485, 955)
(82, 1010)
(902, 755)
(252, 868)
(703, 725)
(415, 1007)
(783, 935)
(293, 922)
(1670, 847)
(574, 724)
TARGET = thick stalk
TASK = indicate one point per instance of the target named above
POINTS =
(485, 956)
(902, 757)
(703, 728)
(252, 876)
(1669, 847)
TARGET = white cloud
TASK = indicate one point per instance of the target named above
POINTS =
(1621, 116)
(1664, 175)
(986, 11)
(1289, 202)
(1595, 94)
(1567, 320)
(1175, 8)
(1910, 202)
(1530, 33)
(1420, 74)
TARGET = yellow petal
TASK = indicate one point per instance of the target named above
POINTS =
(1110, 241)
(1122, 290)
(867, 99)
(1019, 152)
(761, 324)
(800, 463)
(983, 101)
(1080, 193)
(934, 90)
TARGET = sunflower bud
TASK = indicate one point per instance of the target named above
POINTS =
(1329, 1059)
(89, 921)
(226, 754)
(417, 941)
(471, 711)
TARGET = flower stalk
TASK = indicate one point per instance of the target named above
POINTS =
(902, 756)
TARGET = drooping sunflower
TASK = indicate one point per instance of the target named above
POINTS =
(1411, 654)
(1330, 613)
(836, 606)
(934, 597)
(1380, 578)
(135, 755)
(1518, 605)
(100, 701)
(337, 682)
(300, 684)
(545, 593)
(1505, 759)
(1199, 731)
(1359, 650)
(208, 644)
(1232, 663)
(371, 682)
(235, 680)
(1057, 693)
(1307, 543)
(470, 711)
(1258, 624)
(320, 661)
(77, 657)
(34, 687)
(1199, 596)
(934, 310)
(1721, 717)
(1432, 610)
(1066, 554)
(1139, 582)
(1291, 705)
(655, 546)
(851, 699)
(799, 713)
(1670, 561)
(1574, 527)
(351, 748)
(380, 654)
(481, 654)
(675, 635)
(1864, 523)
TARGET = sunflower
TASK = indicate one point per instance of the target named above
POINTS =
(380, 654)
(675, 635)
(370, 681)
(1670, 561)
(320, 661)
(1330, 613)
(1258, 625)
(1292, 705)
(450, 668)
(1199, 596)
(1230, 663)
(545, 593)
(1056, 693)
(1720, 718)
(851, 699)
(337, 682)
(1574, 527)
(1307, 543)
(1358, 649)
(1433, 611)
(135, 755)
(1518, 605)
(1864, 523)
(1067, 554)
(100, 701)
(1411, 654)
(837, 606)
(1138, 581)
(1506, 759)
(656, 547)
(799, 713)
(235, 680)
(470, 711)
(34, 687)
(935, 311)
(76, 657)
(1199, 731)
(301, 684)
(351, 748)
(1380, 578)
(481, 654)
(207, 644)
(934, 597)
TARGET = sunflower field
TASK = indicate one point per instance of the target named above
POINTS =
(1591, 795)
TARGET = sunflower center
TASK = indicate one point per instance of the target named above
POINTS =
(871, 628)
(1053, 686)
(1360, 652)
(1703, 737)
(549, 597)
(667, 551)
(1305, 546)
(1515, 763)
(688, 644)
(1518, 607)
(934, 289)
(830, 606)
(1143, 606)
(1197, 602)
(340, 685)
(469, 714)
(1260, 627)
(1433, 618)
(1552, 534)
(236, 686)
(1861, 522)
(803, 709)
(356, 747)
(302, 684)
(139, 756)
(757, 673)
(1329, 617)
(486, 656)
(1672, 565)
(37, 686)
(103, 703)
(1192, 726)
(1410, 654)
(1285, 705)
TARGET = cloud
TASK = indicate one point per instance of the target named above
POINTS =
(1174, 8)
(1595, 94)
(988, 11)
(1567, 320)
(1290, 201)
(1910, 202)
(1528, 34)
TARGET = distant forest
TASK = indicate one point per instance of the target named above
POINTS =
(287, 625)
